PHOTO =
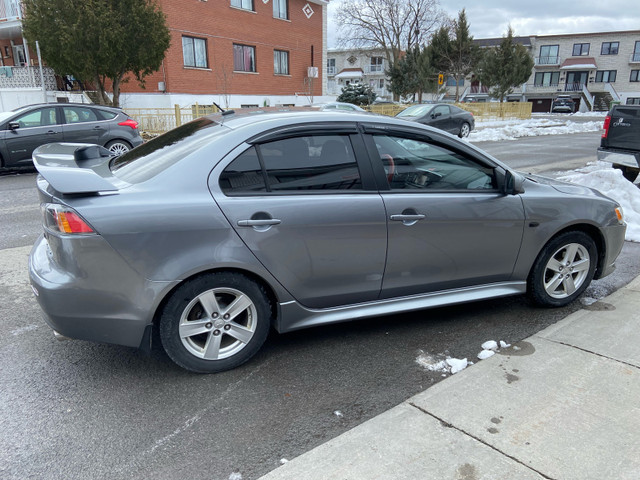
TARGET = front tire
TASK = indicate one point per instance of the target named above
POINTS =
(465, 130)
(563, 270)
(215, 322)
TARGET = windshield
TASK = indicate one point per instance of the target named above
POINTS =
(415, 111)
(155, 156)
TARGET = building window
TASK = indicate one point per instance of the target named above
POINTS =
(377, 64)
(580, 49)
(606, 76)
(548, 55)
(244, 58)
(633, 101)
(609, 48)
(280, 62)
(635, 76)
(244, 4)
(331, 66)
(381, 84)
(280, 9)
(636, 52)
(451, 82)
(194, 52)
(547, 79)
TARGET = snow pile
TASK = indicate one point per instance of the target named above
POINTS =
(512, 129)
(444, 365)
(610, 182)
(490, 347)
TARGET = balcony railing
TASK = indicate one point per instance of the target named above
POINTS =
(331, 70)
(10, 10)
(635, 58)
(27, 77)
(374, 69)
(478, 89)
(573, 87)
(543, 61)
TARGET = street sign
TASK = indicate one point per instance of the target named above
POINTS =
(440, 79)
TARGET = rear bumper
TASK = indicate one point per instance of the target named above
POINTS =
(620, 157)
(100, 299)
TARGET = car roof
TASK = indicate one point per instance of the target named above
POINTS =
(65, 104)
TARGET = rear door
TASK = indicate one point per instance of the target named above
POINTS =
(307, 207)
(83, 125)
(36, 127)
(448, 225)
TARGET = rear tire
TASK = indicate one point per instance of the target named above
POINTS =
(629, 173)
(215, 322)
(118, 147)
(563, 270)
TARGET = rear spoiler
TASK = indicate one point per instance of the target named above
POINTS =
(76, 167)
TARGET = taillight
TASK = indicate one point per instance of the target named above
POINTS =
(129, 123)
(607, 122)
(62, 219)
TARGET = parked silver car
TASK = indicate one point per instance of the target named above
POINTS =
(229, 225)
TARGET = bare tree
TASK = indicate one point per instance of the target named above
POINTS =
(395, 26)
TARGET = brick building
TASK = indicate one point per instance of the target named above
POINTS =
(238, 52)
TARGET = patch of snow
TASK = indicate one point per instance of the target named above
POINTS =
(589, 114)
(510, 130)
(490, 345)
(25, 329)
(235, 476)
(484, 354)
(432, 363)
(283, 461)
(457, 364)
(610, 182)
(504, 344)
(516, 348)
(338, 414)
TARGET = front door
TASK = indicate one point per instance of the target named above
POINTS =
(307, 217)
(34, 128)
(575, 81)
(449, 226)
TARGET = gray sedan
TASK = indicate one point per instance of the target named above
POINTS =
(230, 225)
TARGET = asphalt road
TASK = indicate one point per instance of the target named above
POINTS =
(77, 410)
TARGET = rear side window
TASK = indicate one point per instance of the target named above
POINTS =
(298, 164)
(107, 115)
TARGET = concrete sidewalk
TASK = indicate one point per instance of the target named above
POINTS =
(566, 405)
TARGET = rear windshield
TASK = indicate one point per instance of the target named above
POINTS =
(151, 158)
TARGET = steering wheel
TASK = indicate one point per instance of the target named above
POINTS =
(392, 166)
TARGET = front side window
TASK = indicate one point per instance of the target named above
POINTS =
(580, 49)
(38, 118)
(194, 52)
(244, 58)
(606, 76)
(244, 4)
(609, 48)
(298, 164)
(280, 9)
(411, 164)
(280, 62)
(547, 79)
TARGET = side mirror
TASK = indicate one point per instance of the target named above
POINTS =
(14, 125)
(436, 115)
(513, 183)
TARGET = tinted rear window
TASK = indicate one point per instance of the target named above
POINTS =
(155, 156)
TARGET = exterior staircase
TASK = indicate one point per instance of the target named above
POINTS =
(602, 101)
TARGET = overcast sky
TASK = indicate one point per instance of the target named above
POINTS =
(490, 18)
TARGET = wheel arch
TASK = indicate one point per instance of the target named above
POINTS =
(271, 294)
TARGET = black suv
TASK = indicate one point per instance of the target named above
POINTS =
(24, 129)
(563, 105)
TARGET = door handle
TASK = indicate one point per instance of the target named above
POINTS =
(266, 222)
(51, 132)
(408, 218)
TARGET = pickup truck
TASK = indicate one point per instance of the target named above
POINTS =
(620, 143)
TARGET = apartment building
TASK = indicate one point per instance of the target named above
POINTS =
(364, 66)
(231, 52)
(239, 53)
(593, 68)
